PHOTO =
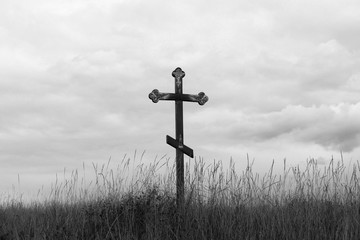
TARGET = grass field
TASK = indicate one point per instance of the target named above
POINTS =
(318, 202)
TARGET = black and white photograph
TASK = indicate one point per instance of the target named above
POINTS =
(134, 119)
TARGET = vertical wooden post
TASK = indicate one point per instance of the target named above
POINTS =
(178, 74)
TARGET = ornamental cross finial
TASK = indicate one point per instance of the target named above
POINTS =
(178, 74)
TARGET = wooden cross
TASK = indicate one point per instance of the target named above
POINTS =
(178, 143)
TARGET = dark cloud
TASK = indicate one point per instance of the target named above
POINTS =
(333, 127)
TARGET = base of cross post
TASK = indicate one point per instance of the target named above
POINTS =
(180, 193)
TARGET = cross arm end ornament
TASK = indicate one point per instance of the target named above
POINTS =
(201, 98)
(155, 96)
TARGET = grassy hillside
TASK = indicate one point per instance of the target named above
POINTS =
(312, 203)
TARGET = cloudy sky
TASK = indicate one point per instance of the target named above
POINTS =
(283, 80)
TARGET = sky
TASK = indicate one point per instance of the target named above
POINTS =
(282, 77)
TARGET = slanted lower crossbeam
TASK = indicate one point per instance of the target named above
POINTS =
(179, 145)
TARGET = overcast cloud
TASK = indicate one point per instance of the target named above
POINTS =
(283, 79)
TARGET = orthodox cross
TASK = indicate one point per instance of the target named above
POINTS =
(178, 143)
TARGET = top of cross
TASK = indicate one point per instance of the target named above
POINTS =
(178, 73)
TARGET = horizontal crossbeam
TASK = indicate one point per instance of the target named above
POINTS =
(188, 151)
(155, 96)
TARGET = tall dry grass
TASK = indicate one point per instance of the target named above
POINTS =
(317, 202)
